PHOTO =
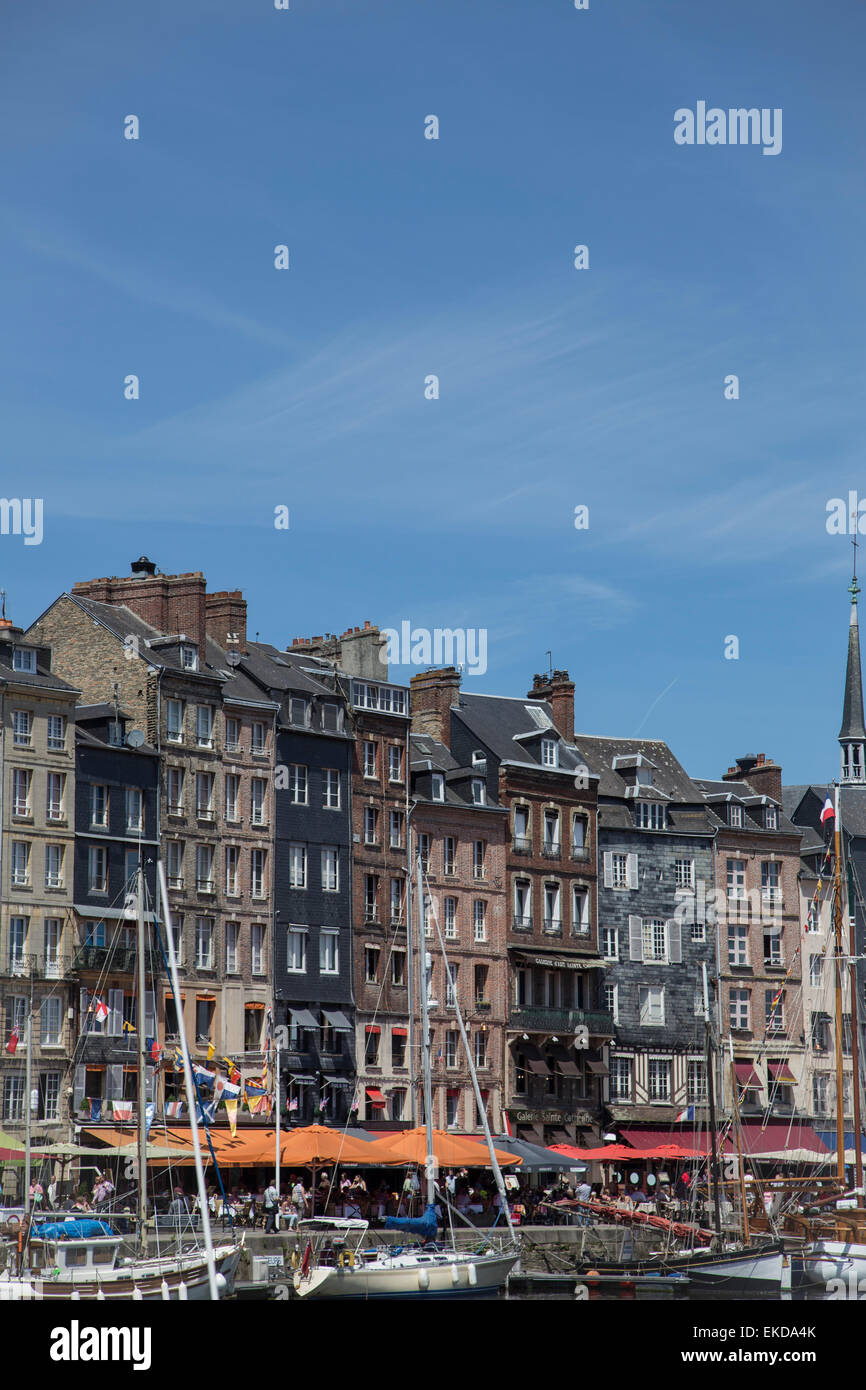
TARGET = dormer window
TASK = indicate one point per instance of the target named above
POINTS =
(479, 791)
(735, 816)
(23, 659)
(649, 815)
(549, 753)
(771, 819)
(478, 759)
(438, 787)
(644, 776)
(188, 657)
(298, 712)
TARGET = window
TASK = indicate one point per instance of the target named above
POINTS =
(258, 869)
(22, 727)
(738, 945)
(437, 787)
(819, 1029)
(772, 948)
(204, 726)
(550, 846)
(659, 1077)
(297, 952)
(371, 825)
(233, 735)
(133, 804)
(298, 784)
(204, 943)
(479, 791)
(174, 721)
(54, 788)
(450, 906)
(846, 1035)
(479, 1048)
(652, 1007)
(395, 763)
(369, 759)
(774, 1010)
(371, 964)
(56, 738)
(424, 852)
(735, 816)
(232, 860)
(174, 791)
(17, 939)
(452, 1039)
(771, 821)
(611, 1001)
(736, 872)
(479, 919)
(522, 913)
(396, 902)
(481, 973)
(451, 986)
(174, 863)
(479, 853)
(428, 916)
(610, 943)
(297, 866)
(771, 890)
(621, 1078)
(816, 971)
(655, 948)
(384, 697)
(552, 912)
(54, 866)
(98, 869)
(371, 898)
(258, 738)
(252, 1028)
(738, 1007)
(49, 1095)
(330, 869)
(204, 857)
(371, 1049)
(522, 841)
(330, 789)
(23, 659)
(696, 1081)
(619, 871)
(332, 718)
(257, 949)
(20, 867)
(98, 806)
(684, 873)
(820, 1094)
(398, 968)
(449, 854)
(21, 791)
(232, 935)
(579, 910)
(188, 658)
(204, 1014)
(549, 753)
(50, 1022)
(298, 711)
(258, 811)
(329, 955)
(13, 1091)
(204, 795)
(395, 829)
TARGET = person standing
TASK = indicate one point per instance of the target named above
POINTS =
(271, 1209)
(299, 1198)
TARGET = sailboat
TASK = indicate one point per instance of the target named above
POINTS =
(336, 1266)
(80, 1258)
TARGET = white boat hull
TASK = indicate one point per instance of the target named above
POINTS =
(410, 1276)
(823, 1260)
(750, 1268)
(184, 1277)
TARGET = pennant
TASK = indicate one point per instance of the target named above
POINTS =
(96, 1107)
(204, 1113)
(149, 1112)
(153, 1049)
(218, 1088)
(210, 1051)
(14, 1038)
(177, 1059)
(122, 1109)
(99, 1009)
(174, 1109)
(202, 1075)
(234, 1074)
(128, 1027)
(232, 1113)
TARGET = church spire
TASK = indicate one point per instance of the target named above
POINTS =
(852, 735)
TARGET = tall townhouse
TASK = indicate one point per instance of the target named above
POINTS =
(464, 890)
(171, 655)
(37, 790)
(312, 961)
(656, 847)
(758, 929)
(379, 715)
(116, 809)
(556, 1028)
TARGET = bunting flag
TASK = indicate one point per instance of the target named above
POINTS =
(827, 811)
(96, 1107)
(122, 1109)
(177, 1059)
(173, 1109)
(153, 1049)
(232, 1113)
(128, 1027)
(218, 1088)
(204, 1113)
(256, 1096)
(210, 1051)
(293, 1105)
(99, 1009)
(234, 1074)
(14, 1038)
(202, 1075)
(149, 1112)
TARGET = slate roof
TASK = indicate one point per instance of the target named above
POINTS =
(287, 671)
(39, 680)
(852, 711)
(669, 776)
(499, 721)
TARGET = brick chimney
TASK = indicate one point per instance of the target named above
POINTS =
(559, 690)
(432, 695)
(762, 774)
(172, 603)
(359, 651)
(226, 612)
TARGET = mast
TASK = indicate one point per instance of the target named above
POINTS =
(277, 1087)
(410, 973)
(711, 1093)
(28, 1081)
(142, 1090)
(425, 1037)
(741, 1174)
(855, 1025)
(837, 925)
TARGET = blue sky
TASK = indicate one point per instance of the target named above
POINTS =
(409, 257)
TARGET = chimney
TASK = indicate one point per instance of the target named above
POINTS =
(226, 616)
(762, 774)
(432, 695)
(360, 652)
(559, 691)
(172, 603)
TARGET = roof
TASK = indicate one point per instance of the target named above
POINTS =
(852, 709)
(287, 671)
(671, 784)
(502, 724)
(39, 680)
(751, 801)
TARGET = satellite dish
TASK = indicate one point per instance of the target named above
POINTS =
(135, 738)
(233, 658)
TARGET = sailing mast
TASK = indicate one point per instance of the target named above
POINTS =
(711, 1093)
(425, 1038)
(142, 1091)
(855, 1025)
(837, 925)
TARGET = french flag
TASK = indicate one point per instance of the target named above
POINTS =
(687, 1114)
(827, 812)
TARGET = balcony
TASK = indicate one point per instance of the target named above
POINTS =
(123, 959)
(521, 922)
(20, 967)
(580, 853)
(545, 1020)
(521, 844)
(552, 926)
(551, 849)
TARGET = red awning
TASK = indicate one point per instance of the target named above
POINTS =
(747, 1076)
(373, 1028)
(376, 1099)
(400, 1032)
(777, 1137)
(780, 1071)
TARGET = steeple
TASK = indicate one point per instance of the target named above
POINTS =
(852, 735)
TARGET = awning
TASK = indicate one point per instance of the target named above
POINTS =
(561, 1136)
(532, 1134)
(106, 914)
(338, 1081)
(376, 1099)
(534, 1059)
(302, 1018)
(337, 1020)
(372, 1028)
(302, 1080)
(775, 1140)
(252, 1005)
(747, 1076)
(597, 1068)
(400, 1032)
(564, 1062)
(560, 959)
(780, 1071)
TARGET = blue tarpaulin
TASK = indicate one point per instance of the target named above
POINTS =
(417, 1226)
(72, 1230)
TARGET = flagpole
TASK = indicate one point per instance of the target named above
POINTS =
(142, 1095)
(277, 1155)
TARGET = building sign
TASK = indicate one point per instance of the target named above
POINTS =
(557, 962)
(582, 1118)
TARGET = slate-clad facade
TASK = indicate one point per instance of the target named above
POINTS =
(656, 848)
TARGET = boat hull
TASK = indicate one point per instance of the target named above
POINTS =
(823, 1260)
(448, 1276)
(754, 1270)
(151, 1281)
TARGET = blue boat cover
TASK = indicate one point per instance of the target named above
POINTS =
(72, 1230)
(417, 1226)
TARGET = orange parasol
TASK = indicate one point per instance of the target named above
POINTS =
(449, 1150)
